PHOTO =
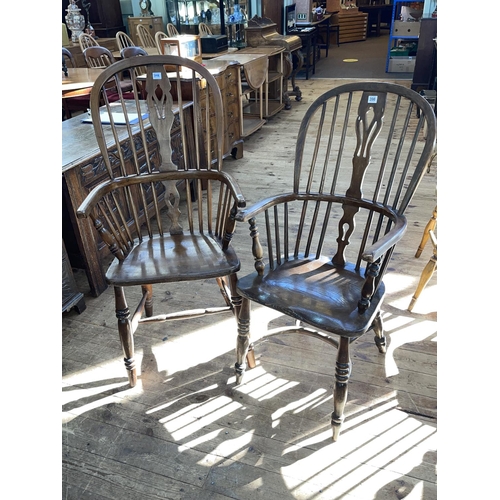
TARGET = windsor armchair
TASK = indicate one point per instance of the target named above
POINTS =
(157, 230)
(325, 246)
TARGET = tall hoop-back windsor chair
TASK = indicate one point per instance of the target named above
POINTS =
(158, 230)
(360, 155)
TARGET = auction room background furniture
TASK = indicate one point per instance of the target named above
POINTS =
(145, 38)
(152, 24)
(262, 32)
(425, 73)
(77, 52)
(123, 40)
(275, 95)
(403, 31)
(251, 76)
(188, 240)
(105, 17)
(71, 297)
(85, 40)
(322, 249)
(78, 100)
(172, 30)
(431, 266)
(76, 88)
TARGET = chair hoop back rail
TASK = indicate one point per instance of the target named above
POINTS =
(145, 37)
(166, 218)
(325, 246)
(172, 30)
(123, 40)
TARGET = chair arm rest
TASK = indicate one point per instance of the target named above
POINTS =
(375, 251)
(105, 187)
(250, 212)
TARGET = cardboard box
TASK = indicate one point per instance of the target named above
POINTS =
(401, 65)
(403, 28)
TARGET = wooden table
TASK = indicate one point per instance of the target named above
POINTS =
(253, 73)
(78, 84)
(375, 15)
(82, 169)
(275, 94)
(78, 79)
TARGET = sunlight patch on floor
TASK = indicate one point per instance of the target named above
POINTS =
(353, 465)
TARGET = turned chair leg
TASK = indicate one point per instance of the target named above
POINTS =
(425, 277)
(378, 328)
(243, 341)
(126, 334)
(431, 226)
(148, 306)
(342, 373)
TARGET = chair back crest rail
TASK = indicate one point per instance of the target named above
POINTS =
(85, 40)
(360, 155)
(159, 35)
(145, 37)
(98, 57)
(142, 197)
(172, 30)
(123, 40)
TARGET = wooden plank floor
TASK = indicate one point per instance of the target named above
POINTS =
(185, 431)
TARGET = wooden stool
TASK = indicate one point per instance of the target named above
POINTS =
(429, 233)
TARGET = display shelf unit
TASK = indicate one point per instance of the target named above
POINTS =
(402, 30)
(186, 15)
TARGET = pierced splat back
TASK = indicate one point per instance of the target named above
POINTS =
(161, 129)
(368, 125)
(360, 155)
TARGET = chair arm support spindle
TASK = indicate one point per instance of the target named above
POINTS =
(368, 289)
(257, 251)
(108, 239)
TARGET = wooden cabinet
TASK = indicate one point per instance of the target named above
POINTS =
(154, 24)
(227, 79)
(425, 65)
(71, 297)
(352, 25)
